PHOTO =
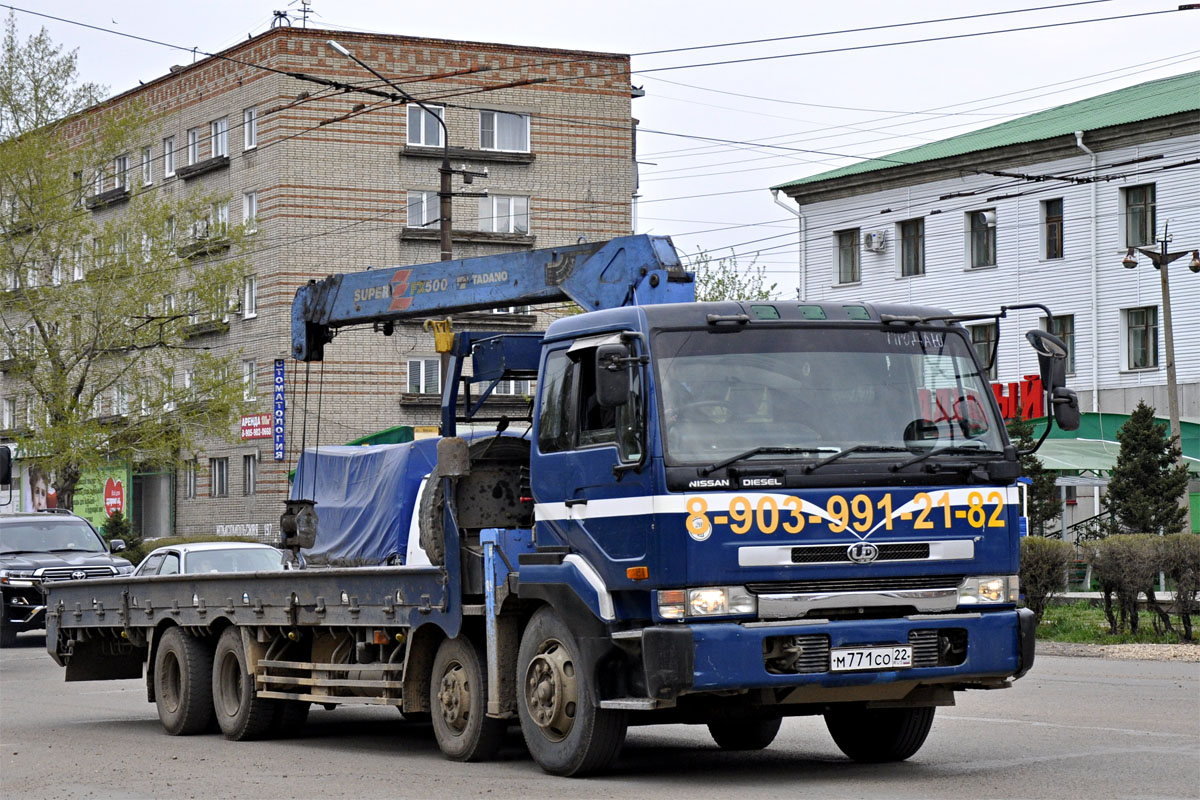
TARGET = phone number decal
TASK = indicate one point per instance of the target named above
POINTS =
(860, 514)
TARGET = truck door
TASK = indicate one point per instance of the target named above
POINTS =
(579, 500)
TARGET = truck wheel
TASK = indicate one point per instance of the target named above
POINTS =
(290, 717)
(182, 683)
(458, 697)
(744, 734)
(877, 736)
(241, 714)
(566, 731)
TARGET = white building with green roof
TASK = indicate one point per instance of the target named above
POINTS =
(1043, 208)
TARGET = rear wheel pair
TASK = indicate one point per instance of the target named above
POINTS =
(196, 684)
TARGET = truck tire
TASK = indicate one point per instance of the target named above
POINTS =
(241, 714)
(877, 736)
(510, 451)
(458, 697)
(744, 734)
(182, 683)
(566, 731)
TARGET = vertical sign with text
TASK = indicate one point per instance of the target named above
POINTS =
(279, 413)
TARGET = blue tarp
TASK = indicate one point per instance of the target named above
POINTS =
(365, 499)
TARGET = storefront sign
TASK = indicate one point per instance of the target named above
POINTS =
(279, 415)
(256, 426)
(100, 492)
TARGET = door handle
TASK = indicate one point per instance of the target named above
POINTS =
(577, 501)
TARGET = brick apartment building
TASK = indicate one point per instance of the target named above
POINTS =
(327, 181)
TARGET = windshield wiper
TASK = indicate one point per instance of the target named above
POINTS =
(954, 450)
(858, 448)
(754, 451)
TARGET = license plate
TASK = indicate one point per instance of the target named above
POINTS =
(849, 659)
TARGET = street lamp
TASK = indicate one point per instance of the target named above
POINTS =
(1160, 259)
(445, 191)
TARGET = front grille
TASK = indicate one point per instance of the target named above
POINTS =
(924, 648)
(836, 552)
(881, 584)
(67, 573)
(791, 655)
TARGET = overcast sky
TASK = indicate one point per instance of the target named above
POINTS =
(710, 195)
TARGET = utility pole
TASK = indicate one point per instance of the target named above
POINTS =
(1160, 259)
(445, 171)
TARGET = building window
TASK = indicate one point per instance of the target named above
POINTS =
(8, 413)
(1064, 328)
(193, 146)
(219, 477)
(501, 214)
(250, 128)
(502, 131)
(191, 472)
(168, 156)
(120, 401)
(423, 375)
(121, 168)
(983, 339)
(512, 387)
(77, 262)
(250, 298)
(249, 475)
(982, 226)
(147, 160)
(847, 256)
(1141, 335)
(1052, 228)
(98, 182)
(912, 247)
(1139, 215)
(77, 184)
(249, 391)
(189, 382)
(250, 212)
(219, 219)
(424, 209)
(423, 126)
(218, 131)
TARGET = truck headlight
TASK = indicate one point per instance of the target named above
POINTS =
(708, 601)
(988, 589)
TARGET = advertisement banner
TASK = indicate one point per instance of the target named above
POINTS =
(256, 426)
(100, 492)
(279, 416)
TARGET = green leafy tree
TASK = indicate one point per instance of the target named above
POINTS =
(724, 279)
(1147, 480)
(100, 309)
(1044, 502)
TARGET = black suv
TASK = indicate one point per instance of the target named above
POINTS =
(44, 546)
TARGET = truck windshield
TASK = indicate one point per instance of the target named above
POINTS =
(883, 391)
(49, 534)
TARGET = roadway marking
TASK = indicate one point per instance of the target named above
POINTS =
(1037, 724)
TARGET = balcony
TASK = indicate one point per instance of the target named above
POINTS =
(468, 154)
(110, 198)
(190, 171)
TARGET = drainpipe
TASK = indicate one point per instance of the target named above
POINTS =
(802, 288)
(1095, 282)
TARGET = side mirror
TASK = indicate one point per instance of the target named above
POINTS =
(116, 545)
(5, 466)
(1052, 363)
(613, 383)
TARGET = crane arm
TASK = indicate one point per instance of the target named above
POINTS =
(630, 270)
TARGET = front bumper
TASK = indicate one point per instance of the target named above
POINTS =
(24, 608)
(732, 655)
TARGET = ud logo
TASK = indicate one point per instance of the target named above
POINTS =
(862, 552)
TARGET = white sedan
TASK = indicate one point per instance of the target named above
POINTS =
(201, 557)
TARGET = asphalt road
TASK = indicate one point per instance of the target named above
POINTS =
(1074, 727)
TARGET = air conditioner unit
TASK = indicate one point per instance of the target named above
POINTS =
(875, 241)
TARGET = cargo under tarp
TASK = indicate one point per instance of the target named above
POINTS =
(365, 499)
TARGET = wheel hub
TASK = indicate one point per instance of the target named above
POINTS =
(552, 690)
(454, 697)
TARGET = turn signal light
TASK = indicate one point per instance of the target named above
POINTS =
(637, 573)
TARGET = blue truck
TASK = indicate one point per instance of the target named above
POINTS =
(719, 513)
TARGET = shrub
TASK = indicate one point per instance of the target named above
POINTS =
(1179, 555)
(117, 527)
(1124, 565)
(1044, 564)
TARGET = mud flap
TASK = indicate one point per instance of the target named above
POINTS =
(1026, 641)
(105, 661)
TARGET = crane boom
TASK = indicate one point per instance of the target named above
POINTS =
(630, 270)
